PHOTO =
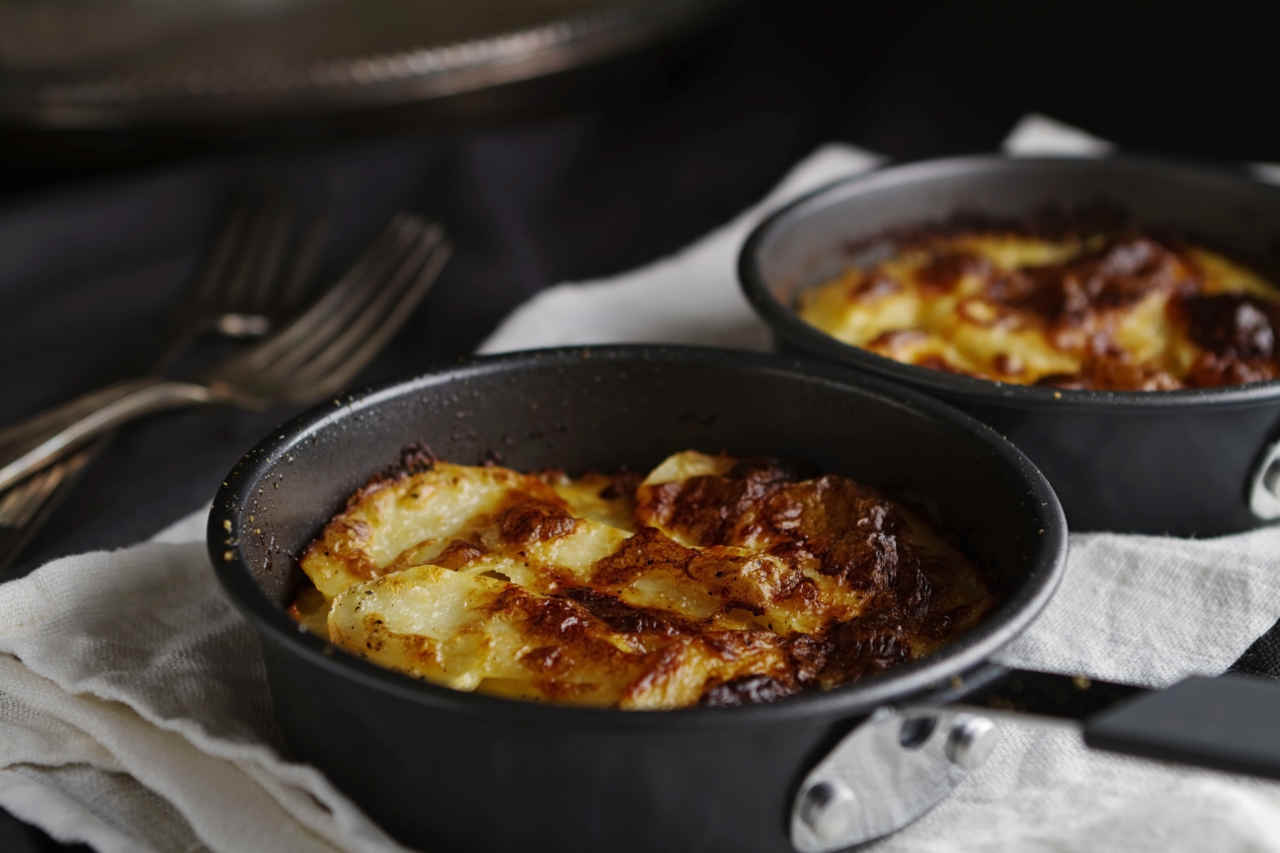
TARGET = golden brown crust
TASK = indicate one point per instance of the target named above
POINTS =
(830, 524)
(1112, 310)
(742, 582)
(524, 521)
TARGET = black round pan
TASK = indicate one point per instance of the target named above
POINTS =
(1196, 462)
(454, 771)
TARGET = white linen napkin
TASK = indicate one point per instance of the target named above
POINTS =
(134, 713)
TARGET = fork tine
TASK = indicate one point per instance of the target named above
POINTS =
(226, 247)
(306, 258)
(330, 310)
(250, 249)
(236, 288)
(363, 291)
(267, 277)
(350, 364)
(299, 364)
(367, 333)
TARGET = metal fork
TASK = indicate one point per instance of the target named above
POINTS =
(245, 287)
(242, 289)
(312, 357)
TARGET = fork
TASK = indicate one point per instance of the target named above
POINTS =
(244, 289)
(312, 357)
(241, 291)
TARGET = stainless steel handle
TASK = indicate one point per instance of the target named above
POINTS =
(899, 762)
(895, 766)
(29, 446)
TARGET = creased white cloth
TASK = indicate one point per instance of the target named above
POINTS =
(134, 714)
(689, 298)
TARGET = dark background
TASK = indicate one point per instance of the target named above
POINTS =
(614, 169)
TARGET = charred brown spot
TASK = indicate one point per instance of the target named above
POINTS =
(344, 540)
(710, 509)
(526, 521)
(732, 645)
(622, 485)
(550, 617)
(739, 604)
(746, 582)
(627, 619)
(1064, 294)
(659, 667)
(804, 592)
(944, 269)
(896, 339)
(415, 459)
(1007, 363)
(357, 528)
(1114, 373)
(830, 524)
(544, 659)
(937, 362)
(1211, 370)
(746, 690)
(850, 650)
(459, 553)
(647, 551)
(1233, 325)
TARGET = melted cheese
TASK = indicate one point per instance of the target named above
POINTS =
(594, 591)
(900, 309)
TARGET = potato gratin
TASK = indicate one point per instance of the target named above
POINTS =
(713, 581)
(1119, 312)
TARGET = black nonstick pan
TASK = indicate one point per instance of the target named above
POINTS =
(447, 770)
(1194, 462)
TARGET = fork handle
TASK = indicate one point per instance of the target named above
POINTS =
(62, 414)
(30, 445)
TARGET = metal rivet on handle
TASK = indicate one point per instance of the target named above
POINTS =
(827, 809)
(971, 741)
(1264, 495)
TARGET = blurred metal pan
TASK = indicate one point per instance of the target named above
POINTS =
(129, 63)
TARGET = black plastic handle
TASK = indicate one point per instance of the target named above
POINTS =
(1229, 723)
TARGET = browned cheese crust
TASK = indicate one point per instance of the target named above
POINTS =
(1115, 311)
(713, 581)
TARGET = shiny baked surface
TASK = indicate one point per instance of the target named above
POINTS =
(712, 580)
(1118, 311)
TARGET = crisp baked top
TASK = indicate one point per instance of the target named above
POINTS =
(712, 580)
(1118, 311)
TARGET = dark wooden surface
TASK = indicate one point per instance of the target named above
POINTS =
(98, 233)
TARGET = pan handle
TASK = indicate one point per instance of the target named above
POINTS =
(1264, 492)
(902, 761)
(1230, 722)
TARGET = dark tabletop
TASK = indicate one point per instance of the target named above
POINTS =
(99, 233)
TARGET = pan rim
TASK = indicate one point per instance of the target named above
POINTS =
(783, 321)
(1045, 564)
